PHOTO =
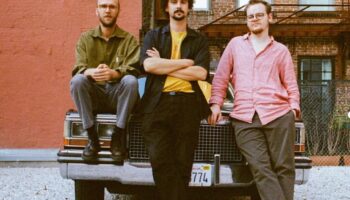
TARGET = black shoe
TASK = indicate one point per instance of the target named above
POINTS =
(91, 150)
(118, 145)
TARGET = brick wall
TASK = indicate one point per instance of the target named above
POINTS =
(315, 47)
(218, 9)
(347, 57)
(222, 7)
(37, 41)
(342, 103)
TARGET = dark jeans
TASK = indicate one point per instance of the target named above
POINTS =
(171, 134)
(269, 150)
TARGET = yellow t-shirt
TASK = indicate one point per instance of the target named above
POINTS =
(206, 89)
(172, 83)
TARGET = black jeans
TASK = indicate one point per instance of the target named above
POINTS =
(171, 134)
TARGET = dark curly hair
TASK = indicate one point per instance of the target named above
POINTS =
(165, 3)
(253, 2)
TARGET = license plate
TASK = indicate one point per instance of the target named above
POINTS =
(201, 175)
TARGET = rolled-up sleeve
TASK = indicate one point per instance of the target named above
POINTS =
(202, 57)
(148, 43)
(288, 80)
(222, 77)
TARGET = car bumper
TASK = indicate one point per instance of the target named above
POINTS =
(130, 173)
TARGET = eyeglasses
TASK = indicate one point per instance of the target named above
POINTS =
(107, 6)
(255, 16)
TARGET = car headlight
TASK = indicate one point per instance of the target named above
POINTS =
(106, 130)
(77, 130)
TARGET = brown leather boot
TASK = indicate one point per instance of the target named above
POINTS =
(118, 145)
(92, 148)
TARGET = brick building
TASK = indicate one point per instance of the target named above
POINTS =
(317, 33)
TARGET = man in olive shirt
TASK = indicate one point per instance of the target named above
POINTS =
(104, 78)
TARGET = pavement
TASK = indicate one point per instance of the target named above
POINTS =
(35, 181)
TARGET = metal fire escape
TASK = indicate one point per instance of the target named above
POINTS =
(295, 20)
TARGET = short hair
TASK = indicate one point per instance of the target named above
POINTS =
(165, 3)
(253, 2)
(118, 4)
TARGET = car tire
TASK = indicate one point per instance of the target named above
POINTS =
(88, 190)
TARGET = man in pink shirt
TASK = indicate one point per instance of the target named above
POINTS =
(266, 102)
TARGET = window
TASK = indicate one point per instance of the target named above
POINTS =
(317, 92)
(316, 69)
(244, 2)
(201, 5)
(319, 2)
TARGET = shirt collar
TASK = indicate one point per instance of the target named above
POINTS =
(117, 32)
(246, 37)
(190, 32)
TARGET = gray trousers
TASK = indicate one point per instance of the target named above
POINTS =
(269, 151)
(91, 98)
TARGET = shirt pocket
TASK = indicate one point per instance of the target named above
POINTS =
(118, 60)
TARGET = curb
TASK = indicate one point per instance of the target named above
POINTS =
(28, 158)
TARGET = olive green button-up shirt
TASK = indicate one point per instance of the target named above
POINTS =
(121, 52)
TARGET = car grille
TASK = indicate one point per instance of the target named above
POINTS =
(213, 140)
(218, 139)
(297, 135)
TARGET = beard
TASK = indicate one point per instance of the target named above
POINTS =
(257, 31)
(109, 24)
(256, 28)
(178, 18)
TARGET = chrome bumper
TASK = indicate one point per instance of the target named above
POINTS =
(224, 175)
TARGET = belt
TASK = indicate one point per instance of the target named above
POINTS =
(178, 93)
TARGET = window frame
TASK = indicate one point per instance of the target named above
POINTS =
(318, 8)
(207, 8)
(300, 58)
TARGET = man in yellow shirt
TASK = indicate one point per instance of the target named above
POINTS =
(174, 58)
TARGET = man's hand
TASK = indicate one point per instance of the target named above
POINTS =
(102, 73)
(154, 53)
(215, 114)
(161, 66)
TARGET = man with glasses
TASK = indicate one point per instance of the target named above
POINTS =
(104, 78)
(266, 102)
(174, 58)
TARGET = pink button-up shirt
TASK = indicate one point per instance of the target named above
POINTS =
(264, 83)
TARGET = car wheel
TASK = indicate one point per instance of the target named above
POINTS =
(88, 190)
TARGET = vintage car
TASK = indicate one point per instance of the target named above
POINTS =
(219, 170)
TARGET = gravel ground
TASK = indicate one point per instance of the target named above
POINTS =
(326, 183)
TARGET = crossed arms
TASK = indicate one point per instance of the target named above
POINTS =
(178, 68)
